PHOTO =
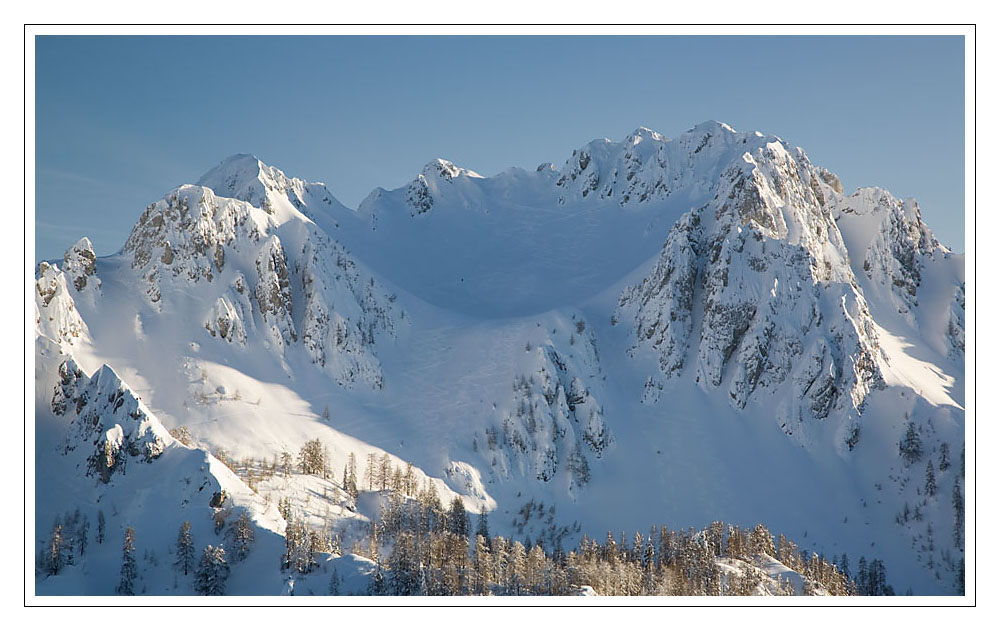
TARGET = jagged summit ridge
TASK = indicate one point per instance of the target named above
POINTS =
(268, 269)
(246, 178)
(755, 288)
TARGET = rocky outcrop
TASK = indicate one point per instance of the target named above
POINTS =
(895, 242)
(755, 287)
(553, 422)
(56, 316)
(80, 266)
(109, 427)
(266, 268)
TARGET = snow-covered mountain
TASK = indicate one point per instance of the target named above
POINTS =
(689, 330)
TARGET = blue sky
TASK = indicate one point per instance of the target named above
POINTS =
(122, 120)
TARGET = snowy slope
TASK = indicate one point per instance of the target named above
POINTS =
(683, 330)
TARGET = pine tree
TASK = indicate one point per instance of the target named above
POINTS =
(910, 447)
(377, 587)
(458, 520)
(945, 462)
(959, 505)
(960, 577)
(761, 541)
(185, 549)
(241, 537)
(404, 566)
(930, 484)
(862, 577)
(213, 571)
(482, 527)
(100, 527)
(334, 589)
(81, 535)
(126, 584)
(297, 548)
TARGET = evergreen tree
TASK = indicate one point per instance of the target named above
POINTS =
(960, 577)
(126, 584)
(930, 484)
(945, 462)
(213, 571)
(81, 535)
(241, 537)
(458, 519)
(404, 566)
(377, 586)
(761, 541)
(910, 447)
(959, 505)
(298, 557)
(334, 589)
(185, 549)
(482, 527)
(100, 527)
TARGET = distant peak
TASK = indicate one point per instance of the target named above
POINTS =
(641, 132)
(712, 126)
(231, 172)
(446, 169)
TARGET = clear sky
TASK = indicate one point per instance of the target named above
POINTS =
(122, 120)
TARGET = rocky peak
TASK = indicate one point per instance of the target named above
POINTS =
(108, 422)
(246, 178)
(755, 289)
(80, 265)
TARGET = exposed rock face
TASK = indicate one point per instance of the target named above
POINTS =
(419, 196)
(267, 269)
(898, 241)
(553, 422)
(755, 287)
(420, 193)
(56, 316)
(107, 421)
(956, 323)
(80, 265)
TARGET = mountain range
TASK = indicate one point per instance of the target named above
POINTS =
(657, 331)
